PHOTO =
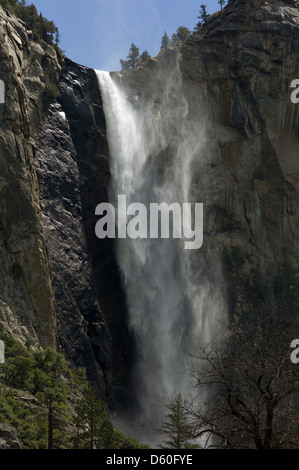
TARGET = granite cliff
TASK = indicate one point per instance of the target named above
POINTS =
(59, 285)
(27, 299)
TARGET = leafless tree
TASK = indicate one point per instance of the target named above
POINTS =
(249, 387)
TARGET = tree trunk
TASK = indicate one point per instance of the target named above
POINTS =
(50, 424)
(269, 428)
(91, 428)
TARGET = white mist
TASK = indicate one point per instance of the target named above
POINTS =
(154, 144)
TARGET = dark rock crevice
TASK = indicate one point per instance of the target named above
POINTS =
(74, 177)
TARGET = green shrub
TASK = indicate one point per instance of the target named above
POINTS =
(55, 389)
(50, 94)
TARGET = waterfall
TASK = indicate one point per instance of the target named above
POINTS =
(157, 142)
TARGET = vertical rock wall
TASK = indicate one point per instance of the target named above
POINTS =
(26, 298)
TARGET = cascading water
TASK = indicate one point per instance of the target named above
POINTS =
(155, 146)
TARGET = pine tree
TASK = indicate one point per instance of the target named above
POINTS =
(165, 43)
(93, 428)
(41, 27)
(133, 59)
(124, 65)
(222, 3)
(203, 17)
(133, 56)
(57, 37)
(143, 58)
(53, 393)
(10, 5)
(181, 34)
(176, 427)
(174, 39)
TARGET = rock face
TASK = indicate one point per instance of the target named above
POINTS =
(54, 171)
(111, 341)
(9, 438)
(58, 286)
(245, 62)
(84, 337)
(26, 300)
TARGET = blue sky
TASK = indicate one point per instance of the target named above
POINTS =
(98, 33)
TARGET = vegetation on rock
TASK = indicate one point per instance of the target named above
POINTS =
(52, 405)
(181, 34)
(41, 27)
(134, 59)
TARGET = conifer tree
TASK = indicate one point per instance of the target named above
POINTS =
(222, 3)
(94, 429)
(203, 17)
(124, 65)
(176, 426)
(57, 37)
(181, 34)
(132, 59)
(41, 27)
(133, 56)
(165, 43)
(143, 57)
